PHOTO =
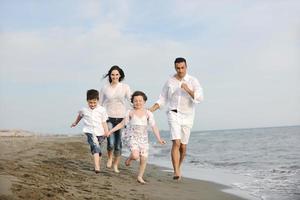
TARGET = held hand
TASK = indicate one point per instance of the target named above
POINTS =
(162, 142)
(107, 134)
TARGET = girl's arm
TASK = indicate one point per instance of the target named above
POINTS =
(79, 117)
(156, 132)
(117, 127)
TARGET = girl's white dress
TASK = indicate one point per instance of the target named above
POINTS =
(135, 135)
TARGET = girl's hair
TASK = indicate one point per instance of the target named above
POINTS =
(115, 67)
(138, 93)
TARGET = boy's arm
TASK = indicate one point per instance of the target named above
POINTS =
(79, 117)
(105, 127)
(156, 132)
(154, 107)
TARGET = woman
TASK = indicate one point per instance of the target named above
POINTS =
(114, 96)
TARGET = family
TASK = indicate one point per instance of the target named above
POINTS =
(106, 115)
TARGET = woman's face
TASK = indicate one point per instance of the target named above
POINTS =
(115, 76)
(138, 102)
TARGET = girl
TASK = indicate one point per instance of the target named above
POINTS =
(136, 122)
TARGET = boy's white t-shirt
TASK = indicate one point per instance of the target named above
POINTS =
(93, 119)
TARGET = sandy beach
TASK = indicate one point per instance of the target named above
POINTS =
(43, 167)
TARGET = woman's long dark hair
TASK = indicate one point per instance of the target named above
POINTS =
(115, 67)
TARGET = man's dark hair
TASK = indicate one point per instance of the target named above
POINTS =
(138, 93)
(179, 60)
(115, 67)
(92, 94)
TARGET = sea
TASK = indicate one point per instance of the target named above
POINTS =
(255, 163)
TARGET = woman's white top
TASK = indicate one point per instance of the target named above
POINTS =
(114, 99)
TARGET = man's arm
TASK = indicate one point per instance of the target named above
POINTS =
(154, 107)
(188, 90)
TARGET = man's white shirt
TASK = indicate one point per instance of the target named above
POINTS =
(178, 99)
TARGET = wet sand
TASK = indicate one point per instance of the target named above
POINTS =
(40, 167)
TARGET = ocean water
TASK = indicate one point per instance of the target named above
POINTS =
(260, 163)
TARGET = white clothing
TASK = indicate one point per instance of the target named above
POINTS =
(93, 119)
(178, 131)
(178, 99)
(114, 99)
(135, 134)
(146, 119)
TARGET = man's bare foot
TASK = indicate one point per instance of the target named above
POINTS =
(178, 178)
(141, 180)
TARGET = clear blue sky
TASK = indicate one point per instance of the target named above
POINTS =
(244, 53)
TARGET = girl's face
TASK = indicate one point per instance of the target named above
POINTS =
(138, 102)
(115, 76)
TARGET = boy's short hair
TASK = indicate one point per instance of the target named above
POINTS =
(92, 94)
(138, 93)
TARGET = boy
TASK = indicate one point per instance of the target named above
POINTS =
(94, 125)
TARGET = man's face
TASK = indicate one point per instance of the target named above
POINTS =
(180, 69)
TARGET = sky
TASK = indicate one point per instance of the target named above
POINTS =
(245, 54)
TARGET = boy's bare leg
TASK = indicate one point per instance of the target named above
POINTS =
(142, 167)
(97, 160)
(109, 159)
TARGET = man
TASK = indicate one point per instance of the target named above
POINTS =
(181, 92)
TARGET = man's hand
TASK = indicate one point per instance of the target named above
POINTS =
(187, 89)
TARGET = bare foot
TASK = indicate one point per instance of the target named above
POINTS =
(116, 169)
(127, 162)
(109, 163)
(141, 180)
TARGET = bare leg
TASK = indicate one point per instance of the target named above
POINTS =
(176, 157)
(182, 151)
(133, 156)
(143, 164)
(116, 164)
(97, 160)
(109, 159)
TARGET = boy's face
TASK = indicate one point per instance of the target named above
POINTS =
(138, 102)
(92, 103)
